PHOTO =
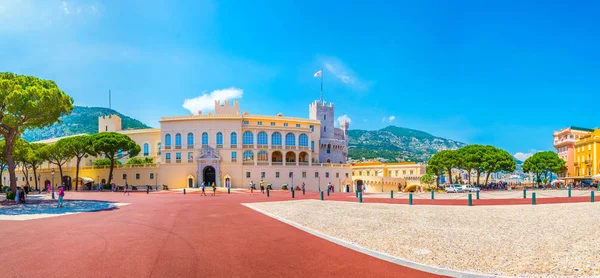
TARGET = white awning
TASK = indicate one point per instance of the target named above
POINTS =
(596, 176)
(86, 179)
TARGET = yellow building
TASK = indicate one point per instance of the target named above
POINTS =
(228, 148)
(587, 153)
(377, 176)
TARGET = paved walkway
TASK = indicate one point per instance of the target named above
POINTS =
(176, 235)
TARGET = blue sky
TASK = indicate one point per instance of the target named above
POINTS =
(506, 73)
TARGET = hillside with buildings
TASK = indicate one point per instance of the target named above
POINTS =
(394, 143)
(81, 120)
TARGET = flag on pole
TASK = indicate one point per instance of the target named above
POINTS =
(318, 73)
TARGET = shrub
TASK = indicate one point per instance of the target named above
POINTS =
(106, 187)
(10, 195)
(284, 187)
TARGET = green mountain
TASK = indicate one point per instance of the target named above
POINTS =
(81, 120)
(396, 144)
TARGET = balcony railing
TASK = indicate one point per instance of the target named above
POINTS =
(233, 159)
(576, 163)
(190, 161)
(276, 147)
(249, 162)
(305, 148)
(190, 146)
(290, 147)
(248, 146)
(219, 146)
(262, 162)
(277, 163)
(167, 147)
(167, 160)
(589, 161)
(204, 145)
(233, 146)
(304, 163)
(178, 147)
(177, 160)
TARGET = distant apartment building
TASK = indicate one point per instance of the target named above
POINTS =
(587, 153)
(377, 176)
(564, 143)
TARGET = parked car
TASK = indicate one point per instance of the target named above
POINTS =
(450, 189)
(458, 188)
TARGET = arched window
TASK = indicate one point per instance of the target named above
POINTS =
(303, 140)
(312, 145)
(262, 139)
(158, 148)
(248, 138)
(219, 138)
(328, 148)
(190, 139)
(168, 140)
(204, 139)
(233, 138)
(146, 149)
(177, 140)
(290, 139)
(276, 139)
(262, 156)
(248, 155)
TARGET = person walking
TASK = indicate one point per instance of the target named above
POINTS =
(262, 187)
(251, 187)
(126, 189)
(203, 185)
(214, 188)
(48, 188)
(18, 195)
(61, 196)
(303, 186)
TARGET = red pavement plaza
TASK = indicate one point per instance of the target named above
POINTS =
(176, 235)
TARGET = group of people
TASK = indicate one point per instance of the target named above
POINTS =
(203, 186)
(252, 187)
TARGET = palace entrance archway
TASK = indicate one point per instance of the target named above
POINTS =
(209, 175)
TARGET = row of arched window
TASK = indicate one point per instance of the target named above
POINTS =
(247, 139)
(263, 156)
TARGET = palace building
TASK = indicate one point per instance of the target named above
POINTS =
(226, 147)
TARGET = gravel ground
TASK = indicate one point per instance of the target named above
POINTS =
(511, 194)
(539, 241)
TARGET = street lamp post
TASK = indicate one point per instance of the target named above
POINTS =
(319, 183)
(52, 184)
(37, 185)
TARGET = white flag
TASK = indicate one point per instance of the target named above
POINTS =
(318, 73)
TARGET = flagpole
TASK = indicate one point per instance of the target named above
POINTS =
(321, 85)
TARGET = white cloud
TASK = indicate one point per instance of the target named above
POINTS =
(388, 119)
(343, 73)
(65, 8)
(207, 101)
(344, 118)
(523, 156)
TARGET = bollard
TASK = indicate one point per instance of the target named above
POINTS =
(569, 191)
(391, 194)
(533, 198)
(184, 191)
(470, 200)
(524, 193)
(360, 197)
(321, 195)
(410, 199)
(303, 192)
(157, 188)
(432, 194)
(477, 195)
(292, 194)
(147, 190)
(267, 192)
(229, 190)
(592, 197)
